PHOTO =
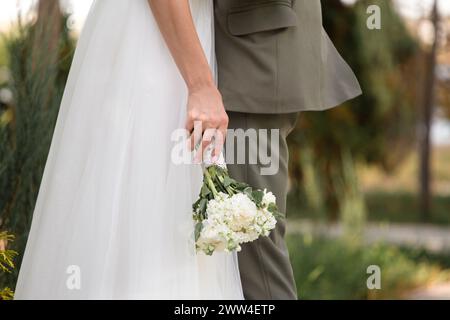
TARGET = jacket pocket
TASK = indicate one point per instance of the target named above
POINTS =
(260, 16)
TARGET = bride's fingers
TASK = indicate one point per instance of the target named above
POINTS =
(194, 139)
(196, 132)
(219, 140)
(189, 126)
(207, 138)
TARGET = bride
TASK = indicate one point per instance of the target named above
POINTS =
(113, 215)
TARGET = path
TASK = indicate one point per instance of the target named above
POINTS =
(430, 237)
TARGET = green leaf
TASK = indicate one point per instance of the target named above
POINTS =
(205, 191)
(248, 192)
(257, 196)
(202, 206)
(196, 204)
(227, 181)
(272, 208)
(241, 186)
(198, 230)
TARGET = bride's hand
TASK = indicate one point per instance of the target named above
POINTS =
(205, 110)
(205, 102)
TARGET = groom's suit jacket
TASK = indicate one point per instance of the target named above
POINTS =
(274, 57)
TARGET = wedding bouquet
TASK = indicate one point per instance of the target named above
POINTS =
(229, 213)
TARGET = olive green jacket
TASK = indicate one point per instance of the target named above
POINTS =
(274, 56)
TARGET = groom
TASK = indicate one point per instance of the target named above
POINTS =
(274, 60)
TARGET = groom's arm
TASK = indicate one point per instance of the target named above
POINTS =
(205, 102)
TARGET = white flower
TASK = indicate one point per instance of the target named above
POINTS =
(234, 220)
(243, 211)
(212, 237)
(268, 198)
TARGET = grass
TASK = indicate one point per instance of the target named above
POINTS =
(336, 269)
(392, 197)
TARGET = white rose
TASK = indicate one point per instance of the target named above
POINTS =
(243, 207)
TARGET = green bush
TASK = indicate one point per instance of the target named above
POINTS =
(377, 126)
(382, 206)
(336, 269)
(403, 207)
(3, 52)
(37, 83)
(6, 262)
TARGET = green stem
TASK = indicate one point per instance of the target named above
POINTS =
(230, 191)
(210, 183)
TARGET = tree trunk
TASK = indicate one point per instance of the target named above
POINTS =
(425, 128)
(47, 31)
(45, 46)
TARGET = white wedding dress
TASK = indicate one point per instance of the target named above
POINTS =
(113, 216)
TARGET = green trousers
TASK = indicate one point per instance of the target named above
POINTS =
(266, 272)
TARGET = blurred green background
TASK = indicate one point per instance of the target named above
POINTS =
(369, 180)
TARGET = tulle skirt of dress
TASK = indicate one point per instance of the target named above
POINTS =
(113, 216)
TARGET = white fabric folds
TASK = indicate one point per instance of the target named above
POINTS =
(113, 216)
